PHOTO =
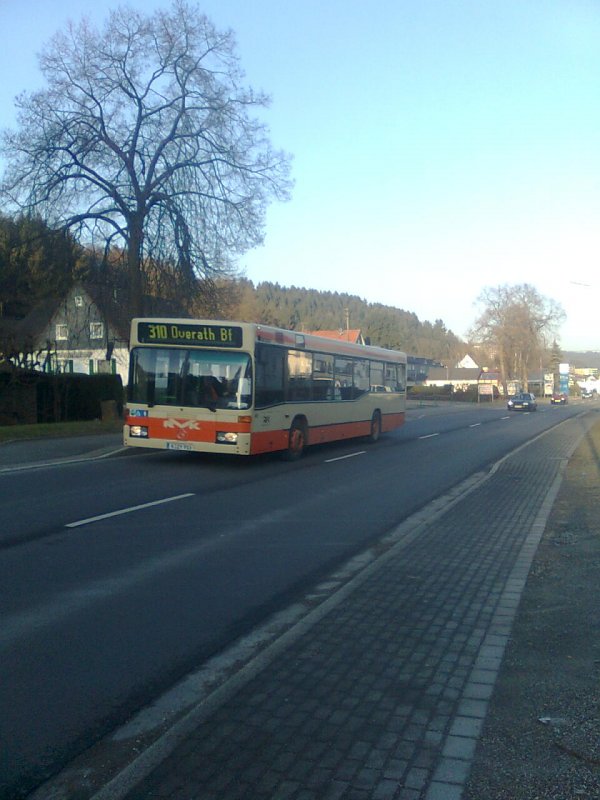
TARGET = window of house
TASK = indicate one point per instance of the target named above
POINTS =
(62, 332)
(96, 330)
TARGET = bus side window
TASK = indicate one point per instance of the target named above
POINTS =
(391, 378)
(376, 376)
(361, 377)
(269, 375)
(343, 377)
(401, 377)
(299, 382)
(322, 380)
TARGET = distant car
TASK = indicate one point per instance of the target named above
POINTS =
(522, 402)
(586, 394)
(377, 387)
(559, 398)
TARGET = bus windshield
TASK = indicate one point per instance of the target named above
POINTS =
(198, 378)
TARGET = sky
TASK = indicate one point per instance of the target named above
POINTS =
(440, 147)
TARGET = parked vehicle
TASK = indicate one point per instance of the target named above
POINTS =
(522, 402)
(587, 394)
(559, 398)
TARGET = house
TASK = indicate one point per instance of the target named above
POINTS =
(87, 331)
(460, 378)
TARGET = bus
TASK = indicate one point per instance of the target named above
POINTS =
(235, 387)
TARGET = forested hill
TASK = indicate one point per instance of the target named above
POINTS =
(583, 360)
(297, 308)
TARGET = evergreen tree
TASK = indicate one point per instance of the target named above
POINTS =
(36, 264)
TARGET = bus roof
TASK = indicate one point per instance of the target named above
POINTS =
(283, 337)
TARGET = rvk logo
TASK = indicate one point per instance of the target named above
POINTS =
(190, 424)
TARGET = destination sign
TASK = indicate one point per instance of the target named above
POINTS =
(190, 333)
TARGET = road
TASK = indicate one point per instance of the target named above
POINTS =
(120, 576)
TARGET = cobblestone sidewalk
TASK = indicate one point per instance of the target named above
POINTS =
(541, 736)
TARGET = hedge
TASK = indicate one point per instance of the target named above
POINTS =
(28, 397)
(71, 397)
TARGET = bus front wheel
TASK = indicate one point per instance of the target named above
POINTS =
(375, 427)
(297, 441)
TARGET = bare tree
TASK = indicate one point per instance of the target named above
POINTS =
(515, 324)
(144, 137)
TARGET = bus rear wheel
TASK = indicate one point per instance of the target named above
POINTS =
(375, 428)
(297, 441)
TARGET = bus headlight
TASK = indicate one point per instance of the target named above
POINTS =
(226, 437)
(139, 431)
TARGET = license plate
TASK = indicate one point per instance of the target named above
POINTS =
(178, 446)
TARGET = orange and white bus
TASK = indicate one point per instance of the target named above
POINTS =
(235, 387)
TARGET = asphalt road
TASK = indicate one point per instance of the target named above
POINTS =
(120, 576)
